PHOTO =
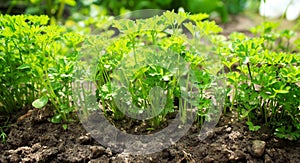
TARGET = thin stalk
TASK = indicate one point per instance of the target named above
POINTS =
(274, 113)
(249, 71)
(143, 92)
(61, 9)
(282, 115)
(288, 45)
(268, 110)
(11, 6)
(132, 39)
(49, 88)
(80, 99)
(263, 110)
(234, 98)
(153, 35)
(49, 8)
(184, 109)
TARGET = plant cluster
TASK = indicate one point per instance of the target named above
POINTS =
(148, 60)
(152, 66)
(264, 79)
(36, 64)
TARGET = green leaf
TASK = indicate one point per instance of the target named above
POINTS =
(65, 126)
(32, 10)
(150, 129)
(56, 118)
(66, 109)
(41, 102)
(34, 1)
(70, 2)
(282, 91)
(190, 27)
(24, 66)
(199, 17)
(252, 127)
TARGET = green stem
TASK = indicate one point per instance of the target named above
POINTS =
(61, 9)
(249, 71)
(288, 45)
(11, 6)
(184, 109)
(263, 110)
(153, 35)
(49, 88)
(132, 39)
(49, 8)
(234, 96)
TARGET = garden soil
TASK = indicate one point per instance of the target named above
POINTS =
(32, 138)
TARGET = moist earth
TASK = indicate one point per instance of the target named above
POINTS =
(32, 138)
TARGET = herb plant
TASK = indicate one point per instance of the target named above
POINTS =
(265, 79)
(37, 62)
(155, 73)
(3, 135)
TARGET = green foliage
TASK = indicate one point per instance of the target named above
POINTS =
(222, 7)
(287, 133)
(37, 63)
(3, 135)
(41, 102)
(141, 36)
(265, 79)
(58, 9)
(53, 8)
(208, 6)
(235, 6)
(276, 40)
(115, 7)
(252, 127)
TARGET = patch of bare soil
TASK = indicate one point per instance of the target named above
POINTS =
(243, 23)
(240, 23)
(34, 139)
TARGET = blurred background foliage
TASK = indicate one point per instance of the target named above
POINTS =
(80, 9)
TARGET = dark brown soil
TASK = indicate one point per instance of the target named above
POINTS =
(33, 139)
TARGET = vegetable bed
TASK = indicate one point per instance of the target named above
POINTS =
(227, 98)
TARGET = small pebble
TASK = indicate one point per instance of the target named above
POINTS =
(83, 139)
(228, 129)
(97, 151)
(258, 148)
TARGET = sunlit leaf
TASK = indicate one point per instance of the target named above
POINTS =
(41, 102)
